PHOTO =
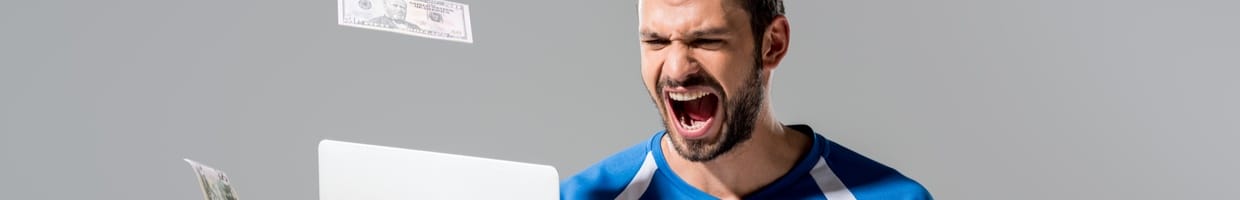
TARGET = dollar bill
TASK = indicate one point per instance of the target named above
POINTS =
(436, 19)
(215, 184)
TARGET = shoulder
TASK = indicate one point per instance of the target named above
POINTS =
(607, 178)
(869, 179)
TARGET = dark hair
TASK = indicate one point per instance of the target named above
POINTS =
(761, 13)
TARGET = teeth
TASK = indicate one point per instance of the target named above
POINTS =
(686, 96)
(695, 125)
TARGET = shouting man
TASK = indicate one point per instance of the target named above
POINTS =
(706, 65)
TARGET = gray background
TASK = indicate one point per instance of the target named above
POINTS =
(977, 99)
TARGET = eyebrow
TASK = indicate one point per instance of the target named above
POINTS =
(710, 32)
(649, 34)
(694, 34)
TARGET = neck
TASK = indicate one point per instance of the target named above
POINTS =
(769, 154)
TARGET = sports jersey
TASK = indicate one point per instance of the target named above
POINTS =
(828, 171)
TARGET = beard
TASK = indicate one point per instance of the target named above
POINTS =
(740, 113)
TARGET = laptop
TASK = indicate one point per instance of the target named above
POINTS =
(352, 171)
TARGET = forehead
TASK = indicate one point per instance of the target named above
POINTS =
(682, 16)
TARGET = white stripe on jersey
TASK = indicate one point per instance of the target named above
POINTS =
(831, 186)
(641, 180)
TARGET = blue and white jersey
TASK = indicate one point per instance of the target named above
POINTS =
(828, 171)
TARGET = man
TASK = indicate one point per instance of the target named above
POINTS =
(706, 65)
(395, 17)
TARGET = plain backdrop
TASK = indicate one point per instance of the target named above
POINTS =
(976, 99)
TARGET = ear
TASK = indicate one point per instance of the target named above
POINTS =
(775, 43)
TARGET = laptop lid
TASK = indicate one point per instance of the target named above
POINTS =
(352, 171)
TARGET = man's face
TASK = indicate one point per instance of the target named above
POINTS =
(699, 65)
(396, 9)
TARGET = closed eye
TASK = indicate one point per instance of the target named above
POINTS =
(656, 43)
(711, 44)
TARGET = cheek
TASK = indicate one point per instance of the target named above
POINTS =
(731, 70)
(650, 74)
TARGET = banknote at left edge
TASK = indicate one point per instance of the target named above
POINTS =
(215, 184)
(435, 19)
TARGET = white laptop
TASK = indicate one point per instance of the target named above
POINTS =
(352, 171)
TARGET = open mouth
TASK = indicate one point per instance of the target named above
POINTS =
(692, 111)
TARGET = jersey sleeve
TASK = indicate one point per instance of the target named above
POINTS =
(868, 179)
(607, 178)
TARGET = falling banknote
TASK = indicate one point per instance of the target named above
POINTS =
(215, 184)
(435, 19)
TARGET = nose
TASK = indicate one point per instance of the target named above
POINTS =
(680, 63)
